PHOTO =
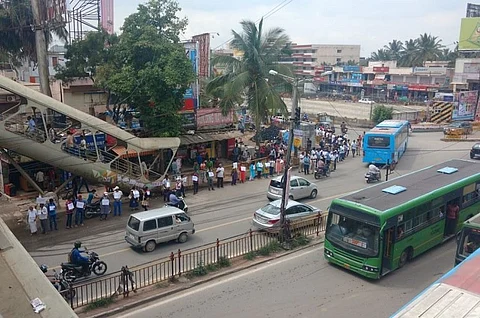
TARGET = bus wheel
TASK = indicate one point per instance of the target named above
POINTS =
(403, 258)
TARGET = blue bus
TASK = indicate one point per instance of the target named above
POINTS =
(386, 142)
(455, 294)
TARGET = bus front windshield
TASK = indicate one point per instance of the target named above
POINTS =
(470, 241)
(378, 141)
(353, 235)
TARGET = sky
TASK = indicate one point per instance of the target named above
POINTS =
(370, 23)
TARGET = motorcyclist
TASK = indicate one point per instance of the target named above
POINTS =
(173, 200)
(374, 171)
(77, 258)
(322, 167)
(55, 282)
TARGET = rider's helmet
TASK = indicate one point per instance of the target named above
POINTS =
(44, 268)
(77, 244)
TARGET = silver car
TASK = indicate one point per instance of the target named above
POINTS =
(268, 217)
(299, 188)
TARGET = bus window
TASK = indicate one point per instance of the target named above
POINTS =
(378, 141)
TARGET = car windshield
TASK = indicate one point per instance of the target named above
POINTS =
(134, 223)
(470, 241)
(276, 184)
(353, 235)
(378, 141)
(271, 209)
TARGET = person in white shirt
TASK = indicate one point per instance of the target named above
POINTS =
(43, 217)
(104, 207)
(300, 163)
(32, 220)
(166, 188)
(220, 173)
(40, 178)
(117, 201)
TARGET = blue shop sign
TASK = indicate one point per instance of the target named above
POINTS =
(351, 68)
(99, 138)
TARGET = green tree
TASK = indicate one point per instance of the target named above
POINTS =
(381, 55)
(429, 48)
(17, 41)
(394, 49)
(151, 71)
(409, 55)
(249, 77)
(381, 113)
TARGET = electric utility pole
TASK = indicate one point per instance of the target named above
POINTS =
(41, 48)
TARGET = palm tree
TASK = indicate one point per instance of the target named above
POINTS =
(409, 55)
(381, 55)
(395, 49)
(449, 56)
(249, 77)
(429, 48)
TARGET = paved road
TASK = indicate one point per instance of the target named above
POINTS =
(226, 212)
(303, 285)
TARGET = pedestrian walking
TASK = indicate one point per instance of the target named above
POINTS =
(271, 168)
(117, 201)
(134, 196)
(195, 179)
(354, 148)
(52, 215)
(69, 207)
(306, 164)
(259, 169)
(32, 220)
(210, 176)
(43, 217)
(79, 211)
(243, 173)
(301, 157)
(146, 198)
(166, 188)
(104, 206)
(234, 176)
(220, 173)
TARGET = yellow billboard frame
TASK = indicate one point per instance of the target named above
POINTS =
(469, 35)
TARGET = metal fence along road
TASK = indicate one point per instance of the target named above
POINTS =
(182, 262)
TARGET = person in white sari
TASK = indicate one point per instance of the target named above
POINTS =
(32, 220)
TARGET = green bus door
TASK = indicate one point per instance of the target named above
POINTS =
(388, 236)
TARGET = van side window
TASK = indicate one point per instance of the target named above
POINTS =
(149, 225)
(182, 217)
(165, 221)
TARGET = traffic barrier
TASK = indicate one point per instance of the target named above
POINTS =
(182, 262)
(442, 112)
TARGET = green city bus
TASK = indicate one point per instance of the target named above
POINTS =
(468, 239)
(378, 229)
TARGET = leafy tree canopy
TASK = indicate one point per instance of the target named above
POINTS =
(145, 66)
(381, 113)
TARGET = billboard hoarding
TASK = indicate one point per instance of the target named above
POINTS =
(107, 16)
(381, 69)
(469, 35)
(213, 117)
(188, 120)
(464, 105)
(203, 47)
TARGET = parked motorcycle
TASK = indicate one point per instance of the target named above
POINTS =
(93, 209)
(322, 173)
(71, 272)
(65, 290)
(373, 177)
(182, 205)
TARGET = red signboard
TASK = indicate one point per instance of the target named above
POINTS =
(417, 87)
(188, 104)
(213, 117)
(381, 69)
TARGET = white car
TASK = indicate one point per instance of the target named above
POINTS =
(366, 101)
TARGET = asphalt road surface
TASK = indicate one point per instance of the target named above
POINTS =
(226, 212)
(303, 284)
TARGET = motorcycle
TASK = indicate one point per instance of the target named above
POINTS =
(70, 271)
(93, 209)
(65, 290)
(322, 173)
(373, 177)
(182, 205)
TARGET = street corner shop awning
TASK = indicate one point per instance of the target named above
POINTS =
(203, 137)
(130, 153)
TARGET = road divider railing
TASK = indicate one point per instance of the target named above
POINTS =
(179, 263)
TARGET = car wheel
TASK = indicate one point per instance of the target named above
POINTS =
(182, 238)
(291, 197)
(150, 246)
(472, 156)
(313, 195)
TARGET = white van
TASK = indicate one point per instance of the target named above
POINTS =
(147, 229)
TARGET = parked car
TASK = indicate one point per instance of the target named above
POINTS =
(458, 128)
(366, 101)
(299, 188)
(475, 151)
(268, 217)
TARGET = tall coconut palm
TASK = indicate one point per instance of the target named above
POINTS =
(409, 55)
(395, 49)
(429, 48)
(249, 76)
(381, 55)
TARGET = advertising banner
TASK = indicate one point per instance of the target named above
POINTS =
(203, 45)
(469, 35)
(188, 120)
(381, 69)
(464, 105)
(213, 117)
(106, 16)
(351, 68)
